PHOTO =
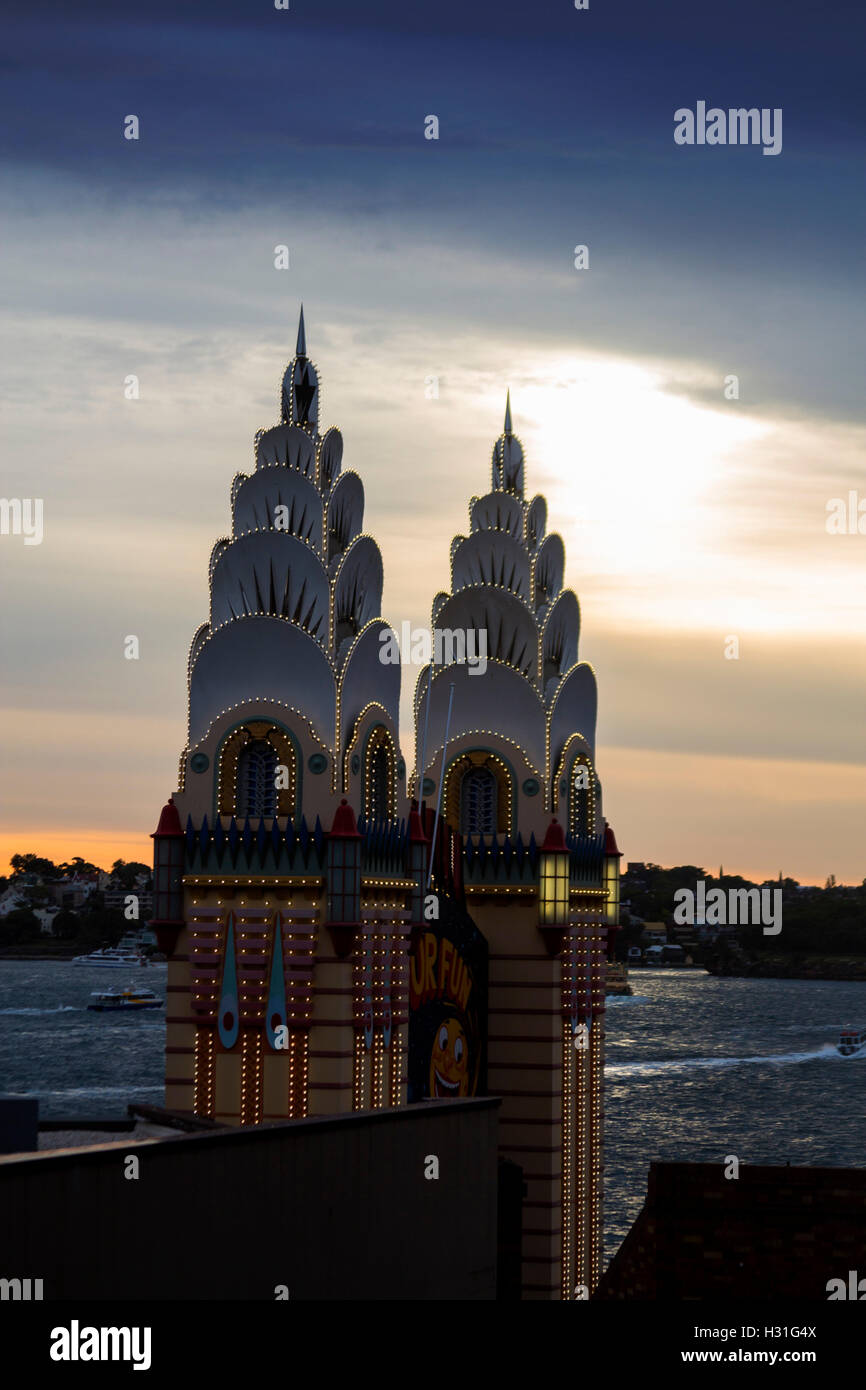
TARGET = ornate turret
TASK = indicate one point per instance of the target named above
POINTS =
(517, 781)
(293, 879)
(506, 590)
(286, 880)
(294, 629)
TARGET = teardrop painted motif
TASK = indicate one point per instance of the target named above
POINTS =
(276, 1015)
(229, 1010)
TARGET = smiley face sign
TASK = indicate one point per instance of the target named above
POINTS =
(449, 1062)
(448, 1008)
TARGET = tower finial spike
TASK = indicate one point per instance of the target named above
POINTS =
(301, 349)
(508, 412)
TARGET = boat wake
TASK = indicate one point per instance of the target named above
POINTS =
(825, 1052)
(86, 1092)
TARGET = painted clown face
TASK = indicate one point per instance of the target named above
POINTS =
(449, 1062)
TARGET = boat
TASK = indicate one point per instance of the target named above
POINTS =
(112, 958)
(851, 1040)
(123, 1000)
(616, 982)
(128, 951)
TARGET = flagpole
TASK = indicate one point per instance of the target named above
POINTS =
(441, 781)
(419, 791)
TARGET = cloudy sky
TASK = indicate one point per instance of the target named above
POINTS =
(689, 518)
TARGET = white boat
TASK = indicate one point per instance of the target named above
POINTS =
(124, 1000)
(851, 1040)
(128, 951)
(112, 958)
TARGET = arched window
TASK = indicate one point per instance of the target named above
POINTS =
(379, 771)
(582, 809)
(478, 802)
(257, 775)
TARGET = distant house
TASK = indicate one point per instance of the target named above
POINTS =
(45, 917)
(116, 900)
(71, 893)
(12, 900)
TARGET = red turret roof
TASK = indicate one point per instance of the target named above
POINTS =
(169, 821)
(554, 839)
(416, 829)
(610, 846)
(345, 825)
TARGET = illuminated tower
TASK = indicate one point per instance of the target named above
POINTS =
(519, 784)
(283, 860)
(291, 872)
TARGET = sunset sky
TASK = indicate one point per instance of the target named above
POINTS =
(688, 518)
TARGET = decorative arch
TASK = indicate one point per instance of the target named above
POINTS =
(372, 714)
(380, 775)
(575, 786)
(581, 797)
(580, 791)
(464, 765)
(272, 736)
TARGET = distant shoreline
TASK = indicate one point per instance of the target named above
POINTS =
(45, 955)
(843, 968)
(41, 955)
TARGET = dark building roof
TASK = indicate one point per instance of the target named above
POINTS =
(770, 1233)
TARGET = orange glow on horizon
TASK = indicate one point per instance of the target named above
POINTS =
(101, 847)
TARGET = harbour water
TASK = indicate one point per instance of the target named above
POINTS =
(78, 1064)
(697, 1067)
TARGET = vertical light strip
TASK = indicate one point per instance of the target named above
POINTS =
(378, 946)
(204, 1073)
(358, 1072)
(396, 1066)
(358, 1012)
(298, 1079)
(251, 1078)
(597, 1157)
(304, 1041)
(377, 1098)
(580, 1168)
(258, 1079)
(567, 1160)
(246, 1039)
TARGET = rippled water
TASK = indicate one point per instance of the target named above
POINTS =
(77, 1063)
(698, 1067)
